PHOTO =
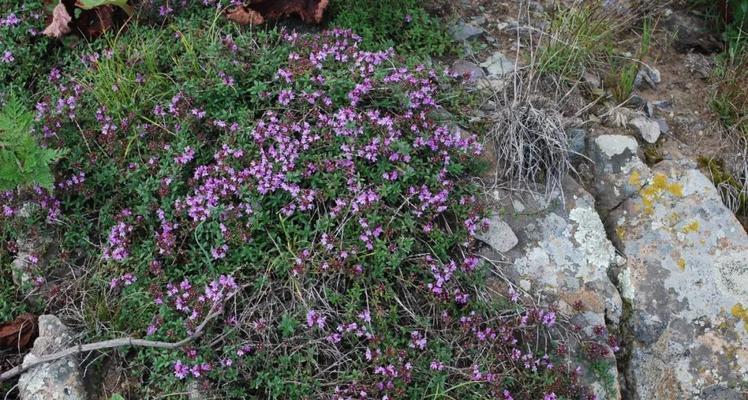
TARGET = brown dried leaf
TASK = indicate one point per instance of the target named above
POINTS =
(59, 26)
(94, 22)
(19, 333)
(258, 11)
(244, 16)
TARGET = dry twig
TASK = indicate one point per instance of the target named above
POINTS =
(111, 344)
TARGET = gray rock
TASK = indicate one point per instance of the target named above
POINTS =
(647, 75)
(499, 236)
(492, 84)
(649, 109)
(686, 282)
(664, 127)
(648, 129)
(498, 64)
(472, 72)
(700, 65)
(619, 172)
(56, 380)
(577, 139)
(691, 33)
(663, 105)
(463, 31)
(563, 256)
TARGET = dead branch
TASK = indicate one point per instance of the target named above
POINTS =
(114, 343)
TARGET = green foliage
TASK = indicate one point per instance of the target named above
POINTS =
(402, 24)
(22, 161)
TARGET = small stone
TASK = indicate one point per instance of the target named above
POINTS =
(57, 380)
(463, 31)
(636, 102)
(649, 108)
(648, 129)
(498, 64)
(500, 235)
(494, 84)
(649, 75)
(472, 72)
(663, 105)
(664, 127)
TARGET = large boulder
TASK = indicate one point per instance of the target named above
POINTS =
(686, 284)
(563, 255)
(56, 380)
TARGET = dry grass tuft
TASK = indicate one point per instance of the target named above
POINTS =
(531, 147)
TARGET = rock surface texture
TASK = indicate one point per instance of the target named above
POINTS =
(563, 254)
(619, 172)
(58, 380)
(685, 282)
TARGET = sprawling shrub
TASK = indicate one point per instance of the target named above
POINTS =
(300, 186)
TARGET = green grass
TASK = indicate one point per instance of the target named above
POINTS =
(401, 24)
(623, 71)
(578, 38)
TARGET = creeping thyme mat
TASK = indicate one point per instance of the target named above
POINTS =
(302, 185)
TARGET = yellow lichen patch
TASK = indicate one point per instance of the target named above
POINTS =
(681, 264)
(657, 189)
(741, 313)
(620, 232)
(635, 179)
(691, 227)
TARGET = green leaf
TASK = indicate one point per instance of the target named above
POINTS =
(22, 161)
(89, 4)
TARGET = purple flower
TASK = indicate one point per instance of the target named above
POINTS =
(313, 318)
(7, 57)
(549, 319)
(187, 155)
(286, 97)
(118, 242)
(417, 341)
(219, 252)
(180, 370)
(549, 396)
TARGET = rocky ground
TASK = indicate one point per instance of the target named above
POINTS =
(640, 239)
